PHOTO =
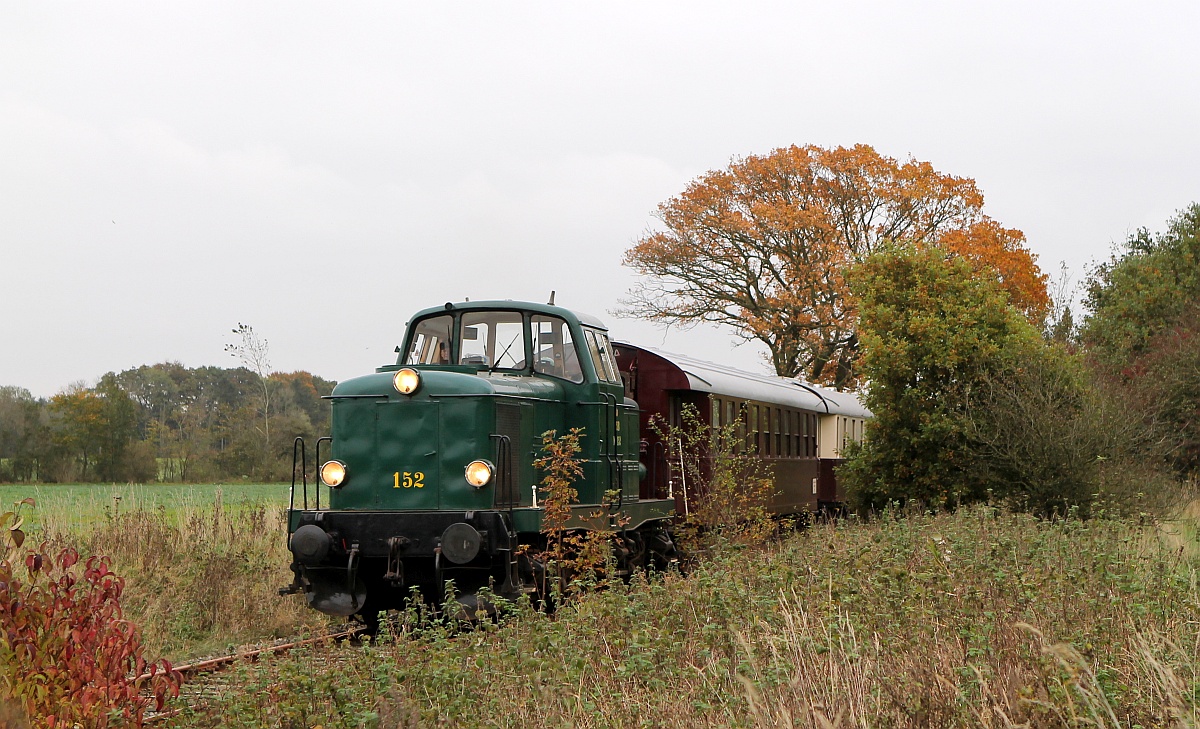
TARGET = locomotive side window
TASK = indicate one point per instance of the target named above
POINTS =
(554, 352)
(493, 338)
(602, 358)
(430, 342)
(606, 354)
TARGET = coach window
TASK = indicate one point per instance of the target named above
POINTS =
(779, 435)
(430, 343)
(787, 433)
(793, 428)
(554, 353)
(752, 429)
(767, 421)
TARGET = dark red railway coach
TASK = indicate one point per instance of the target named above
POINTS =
(799, 428)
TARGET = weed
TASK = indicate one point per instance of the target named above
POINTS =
(729, 491)
(575, 558)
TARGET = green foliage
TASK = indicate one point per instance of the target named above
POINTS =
(729, 491)
(930, 331)
(1046, 438)
(24, 434)
(1143, 331)
(1143, 290)
(1166, 385)
(68, 656)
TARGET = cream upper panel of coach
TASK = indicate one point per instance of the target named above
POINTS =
(848, 404)
(737, 385)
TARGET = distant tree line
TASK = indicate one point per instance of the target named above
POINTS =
(162, 422)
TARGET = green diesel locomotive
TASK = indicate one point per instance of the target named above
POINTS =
(428, 476)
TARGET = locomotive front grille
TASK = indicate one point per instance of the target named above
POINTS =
(508, 424)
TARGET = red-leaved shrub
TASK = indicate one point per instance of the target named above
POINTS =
(67, 656)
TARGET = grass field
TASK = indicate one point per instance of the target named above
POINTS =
(81, 506)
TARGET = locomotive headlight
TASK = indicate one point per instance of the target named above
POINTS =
(406, 381)
(479, 473)
(333, 474)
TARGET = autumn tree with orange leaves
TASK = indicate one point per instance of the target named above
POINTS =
(764, 246)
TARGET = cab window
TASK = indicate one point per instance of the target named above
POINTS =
(602, 357)
(554, 351)
(495, 339)
(430, 342)
(610, 361)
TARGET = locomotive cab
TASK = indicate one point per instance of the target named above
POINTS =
(428, 475)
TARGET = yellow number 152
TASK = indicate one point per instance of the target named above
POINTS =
(409, 480)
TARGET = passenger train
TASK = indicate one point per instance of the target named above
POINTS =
(428, 477)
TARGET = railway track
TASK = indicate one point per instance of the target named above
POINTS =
(190, 691)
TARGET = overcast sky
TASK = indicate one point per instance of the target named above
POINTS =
(320, 171)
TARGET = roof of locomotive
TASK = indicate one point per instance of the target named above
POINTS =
(585, 319)
(727, 381)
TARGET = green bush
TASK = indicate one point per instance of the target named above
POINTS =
(930, 331)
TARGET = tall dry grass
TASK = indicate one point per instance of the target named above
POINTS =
(200, 577)
(976, 619)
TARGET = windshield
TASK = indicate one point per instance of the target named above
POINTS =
(499, 340)
(495, 339)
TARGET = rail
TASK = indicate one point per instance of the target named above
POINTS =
(212, 665)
